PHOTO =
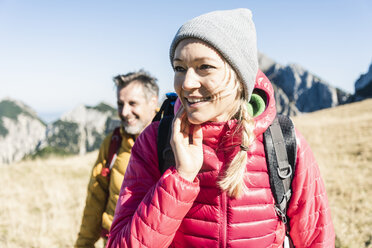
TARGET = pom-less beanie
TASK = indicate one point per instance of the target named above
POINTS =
(232, 33)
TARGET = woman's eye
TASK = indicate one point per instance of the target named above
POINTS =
(179, 69)
(205, 67)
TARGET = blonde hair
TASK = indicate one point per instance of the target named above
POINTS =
(233, 179)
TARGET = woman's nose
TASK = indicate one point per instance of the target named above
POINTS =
(191, 81)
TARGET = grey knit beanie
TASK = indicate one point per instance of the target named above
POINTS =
(232, 33)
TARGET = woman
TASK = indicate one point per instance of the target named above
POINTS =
(218, 193)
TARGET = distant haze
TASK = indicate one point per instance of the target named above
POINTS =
(49, 117)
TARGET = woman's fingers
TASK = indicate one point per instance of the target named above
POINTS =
(181, 124)
(177, 121)
(187, 153)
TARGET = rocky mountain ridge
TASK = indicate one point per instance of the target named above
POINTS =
(83, 129)
(80, 130)
(363, 86)
(298, 90)
(20, 130)
(77, 131)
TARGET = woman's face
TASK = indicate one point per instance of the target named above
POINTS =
(204, 82)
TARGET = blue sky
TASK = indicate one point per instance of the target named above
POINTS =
(55, 55)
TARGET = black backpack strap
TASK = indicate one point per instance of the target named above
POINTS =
(280, 149)
(167, 107)
(165, 116)
(165, 152)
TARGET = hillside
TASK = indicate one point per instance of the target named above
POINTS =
(42, 202)
(341, 141)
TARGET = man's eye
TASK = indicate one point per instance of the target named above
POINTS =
(179, 69)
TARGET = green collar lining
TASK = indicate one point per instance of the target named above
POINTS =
(256, 105)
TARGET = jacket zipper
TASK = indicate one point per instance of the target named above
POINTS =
(223, 229)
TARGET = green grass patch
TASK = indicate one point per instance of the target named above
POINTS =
(11, 110)
(102, 107)
(48, 152)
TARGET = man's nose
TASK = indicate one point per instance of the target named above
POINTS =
(191, 81)
(125, 111)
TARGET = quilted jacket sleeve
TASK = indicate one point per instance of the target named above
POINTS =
(308, 211)
(151, 207)
(90, 228)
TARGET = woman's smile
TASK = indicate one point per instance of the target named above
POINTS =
(194, 101)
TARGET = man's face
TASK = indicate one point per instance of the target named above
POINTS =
(134, 109)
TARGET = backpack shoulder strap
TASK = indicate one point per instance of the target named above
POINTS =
(115, 144)
(167, 107)
(165, 152)
(165, 116)
(280, 149)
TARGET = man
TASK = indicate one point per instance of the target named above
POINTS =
(137, 98)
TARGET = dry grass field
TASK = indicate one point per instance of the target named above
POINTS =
(42, 200)
(341, 139)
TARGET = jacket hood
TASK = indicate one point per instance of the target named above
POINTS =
(263, 88)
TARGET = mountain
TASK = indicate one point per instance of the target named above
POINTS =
(83, 129)
(363, 86)
(23, 133)
(21, 130)
(80, 130)
(297, 90)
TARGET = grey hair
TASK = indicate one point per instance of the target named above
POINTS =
(148, 82)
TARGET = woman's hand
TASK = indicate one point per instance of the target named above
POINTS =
(188, 153)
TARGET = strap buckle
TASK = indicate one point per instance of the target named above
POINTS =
(281, 215)
(284, 168)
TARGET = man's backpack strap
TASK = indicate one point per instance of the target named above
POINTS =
(280, 149)
(115, 144)
(165, 116)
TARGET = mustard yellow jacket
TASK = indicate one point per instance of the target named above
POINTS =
(103, 192)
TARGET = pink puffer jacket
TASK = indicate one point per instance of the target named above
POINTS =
(156, 210)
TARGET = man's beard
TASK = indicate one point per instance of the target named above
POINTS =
(133, 129)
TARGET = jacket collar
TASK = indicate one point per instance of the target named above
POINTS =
(263, 121)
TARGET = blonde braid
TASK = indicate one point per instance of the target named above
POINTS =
(233, 180)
